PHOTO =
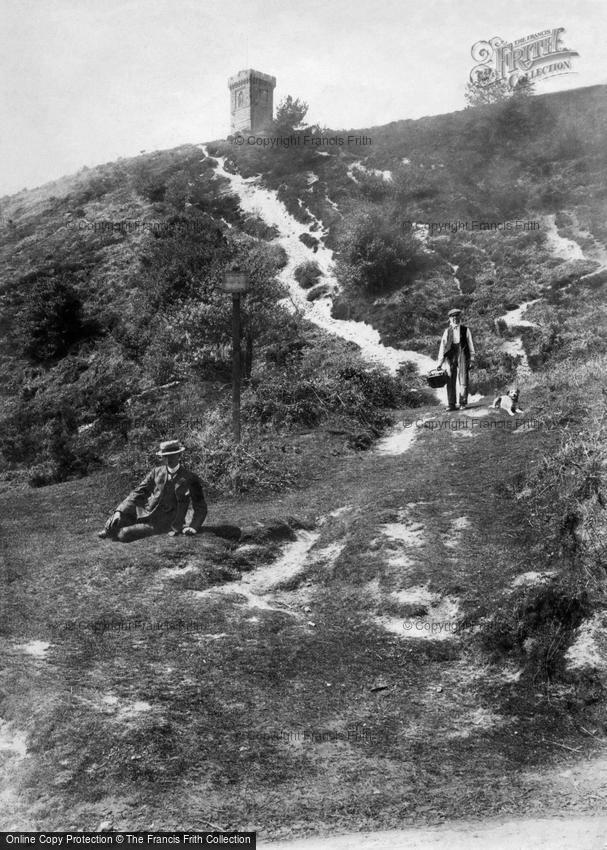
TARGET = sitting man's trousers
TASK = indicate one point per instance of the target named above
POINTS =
(131, 528)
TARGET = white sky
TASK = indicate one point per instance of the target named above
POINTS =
(86, 81)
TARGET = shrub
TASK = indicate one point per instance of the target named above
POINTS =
(63, 465)
(278, 256)
(378, 388)
(372, 186)
(63, 460)
(494, 369)
(319, 383)
(309, 241)
(375, 252)
(307, 274)
(95, 186)
(537, 625)
(52, 321)
(261, 462)
(256, 226)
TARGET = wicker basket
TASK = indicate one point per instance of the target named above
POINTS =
(437, 378)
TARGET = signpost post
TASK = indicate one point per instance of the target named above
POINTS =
(236, 282)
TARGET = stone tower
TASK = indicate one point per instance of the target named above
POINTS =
(251, 101)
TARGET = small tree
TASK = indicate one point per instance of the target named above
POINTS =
(524, 87)
(485, 90)
(290, 113)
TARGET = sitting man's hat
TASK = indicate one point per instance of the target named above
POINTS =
(455, 312)
(170, 447)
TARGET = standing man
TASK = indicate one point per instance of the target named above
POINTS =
(457, 349)
(160, 503)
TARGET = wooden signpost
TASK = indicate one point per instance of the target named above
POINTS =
(236, 282)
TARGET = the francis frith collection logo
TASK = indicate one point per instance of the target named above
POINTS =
(534, 57)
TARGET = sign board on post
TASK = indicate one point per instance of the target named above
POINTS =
(235, 281)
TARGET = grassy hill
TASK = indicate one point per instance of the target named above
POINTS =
(110, 278)
(282, 692)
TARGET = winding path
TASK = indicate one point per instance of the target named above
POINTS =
(257, 200)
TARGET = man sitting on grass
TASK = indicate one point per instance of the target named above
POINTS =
(160, 503)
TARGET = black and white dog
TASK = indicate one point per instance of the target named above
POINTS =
(508, 402)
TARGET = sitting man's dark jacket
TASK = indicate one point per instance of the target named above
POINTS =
(163, 501)
(159, 505)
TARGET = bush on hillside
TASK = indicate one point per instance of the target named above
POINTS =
(307, 274)
(256, 226)
(94, 186)
(376, 254)
(495, 370)
(372, 186)
(52, 321)
(64, 459)
(45, 439)
(519, 119)
(260, 463)
(320, 382)
(537, 625)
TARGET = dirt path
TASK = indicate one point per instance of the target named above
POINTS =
(265, 203)
(582, 833)
(567, 249)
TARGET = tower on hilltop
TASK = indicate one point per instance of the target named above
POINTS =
(251, 100)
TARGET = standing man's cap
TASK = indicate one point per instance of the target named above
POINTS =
(170, 447)
(455, 312)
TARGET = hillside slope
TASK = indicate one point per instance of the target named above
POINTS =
(111, 278)
(377, 629)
